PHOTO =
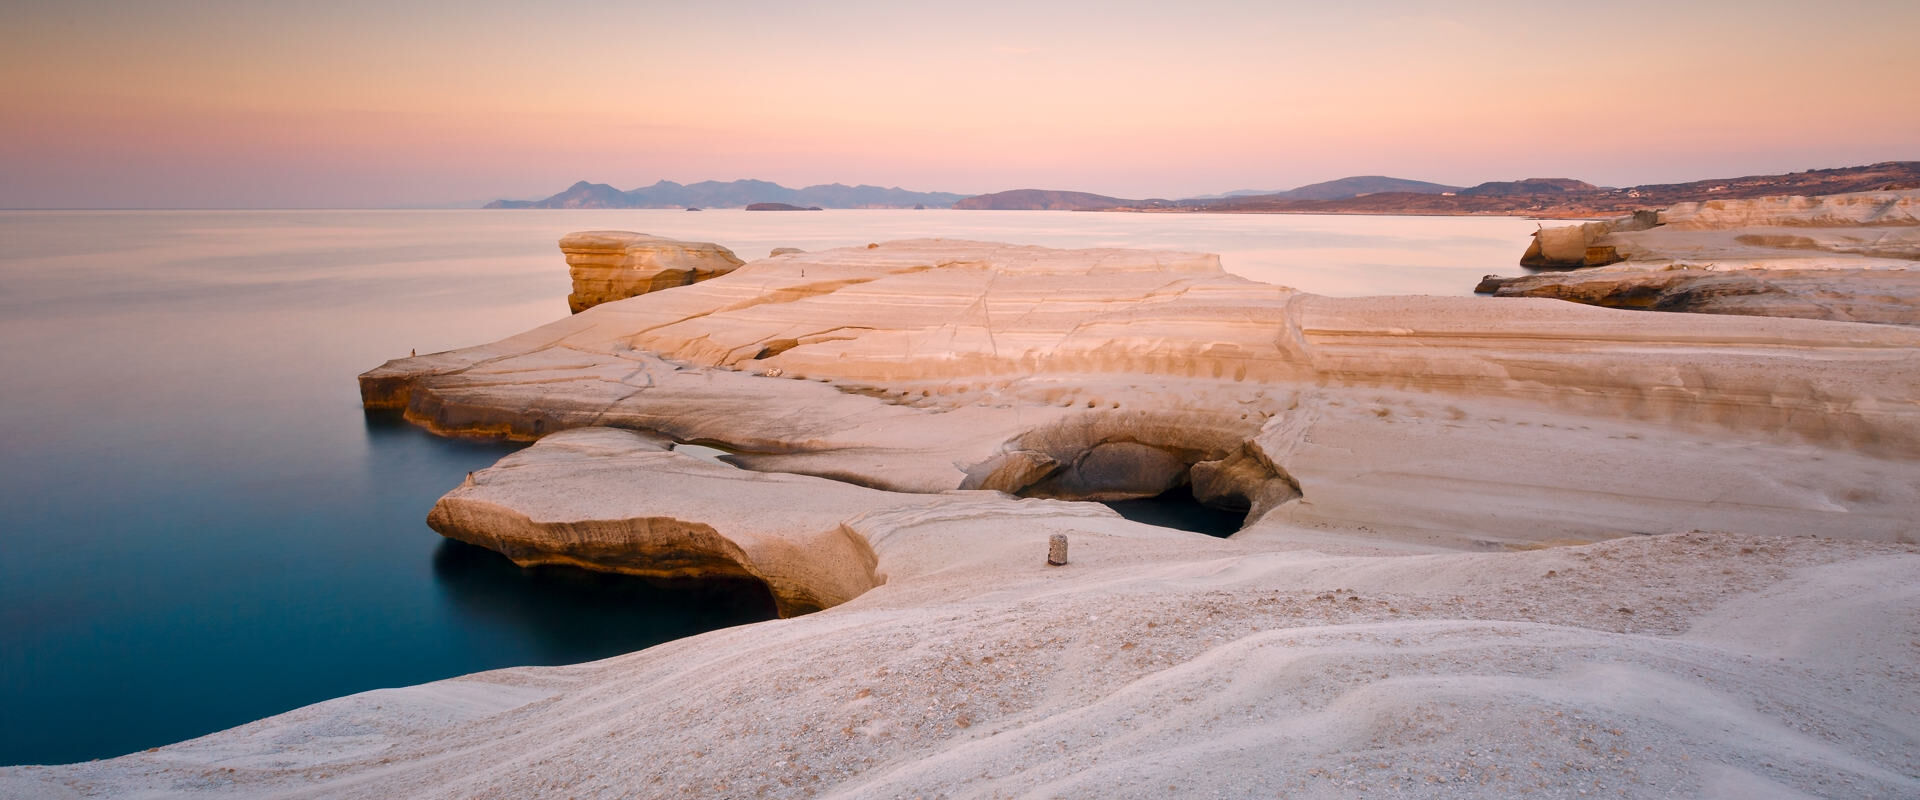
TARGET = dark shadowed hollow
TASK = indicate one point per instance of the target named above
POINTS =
(1176, 508)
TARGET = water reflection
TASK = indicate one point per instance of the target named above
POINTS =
(564, 615)
(506, 615)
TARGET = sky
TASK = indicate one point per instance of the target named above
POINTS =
(349, 104)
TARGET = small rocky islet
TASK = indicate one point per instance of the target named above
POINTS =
(1491, 545)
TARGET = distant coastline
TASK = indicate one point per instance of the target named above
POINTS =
(1363, 194)
(734, 194)
(1532, 197)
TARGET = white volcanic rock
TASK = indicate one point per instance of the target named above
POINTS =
(931, 365)
(615, 265)
(620, 501)
(1863, 230)
(1847, 257)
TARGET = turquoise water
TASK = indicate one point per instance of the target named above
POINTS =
(201, 527)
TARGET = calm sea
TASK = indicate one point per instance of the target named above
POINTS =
(200, 527)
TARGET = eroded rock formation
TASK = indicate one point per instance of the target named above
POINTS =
(1838, 257)
(1370, 440)
(622, 501)
(927, 366)
(615, 265)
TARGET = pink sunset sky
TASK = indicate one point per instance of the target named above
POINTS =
(395, 103)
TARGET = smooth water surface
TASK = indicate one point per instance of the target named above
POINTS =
(201, 527)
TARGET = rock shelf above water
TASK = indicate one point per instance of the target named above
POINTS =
(614, 265)
(932, 365)
(921, 367)
(1850, 257)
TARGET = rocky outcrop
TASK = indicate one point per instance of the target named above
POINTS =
(1574, 246)
(1865, 230)
(926, 366)
(570, 499)
(1845, 257)
(615, 265)
(1886, 296)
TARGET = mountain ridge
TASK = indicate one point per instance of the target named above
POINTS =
(1359, 194)
(733, 194)
(1566, 197)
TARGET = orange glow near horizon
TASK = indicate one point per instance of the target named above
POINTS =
(239, 104)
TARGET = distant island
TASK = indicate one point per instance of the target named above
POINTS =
(779, 207)
(1341, 189)
(1041, 200)
(734, 194)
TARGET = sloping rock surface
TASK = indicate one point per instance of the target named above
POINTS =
(1159, 665)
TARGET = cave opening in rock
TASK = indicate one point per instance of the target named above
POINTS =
(1176, 508)
(1171, 471)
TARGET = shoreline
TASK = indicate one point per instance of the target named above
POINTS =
(1466, 519)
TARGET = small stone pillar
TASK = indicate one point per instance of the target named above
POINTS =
(1057, 550)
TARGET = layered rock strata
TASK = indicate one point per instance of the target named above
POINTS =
(615, 265)
(1884, 296)
(1839, 257)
